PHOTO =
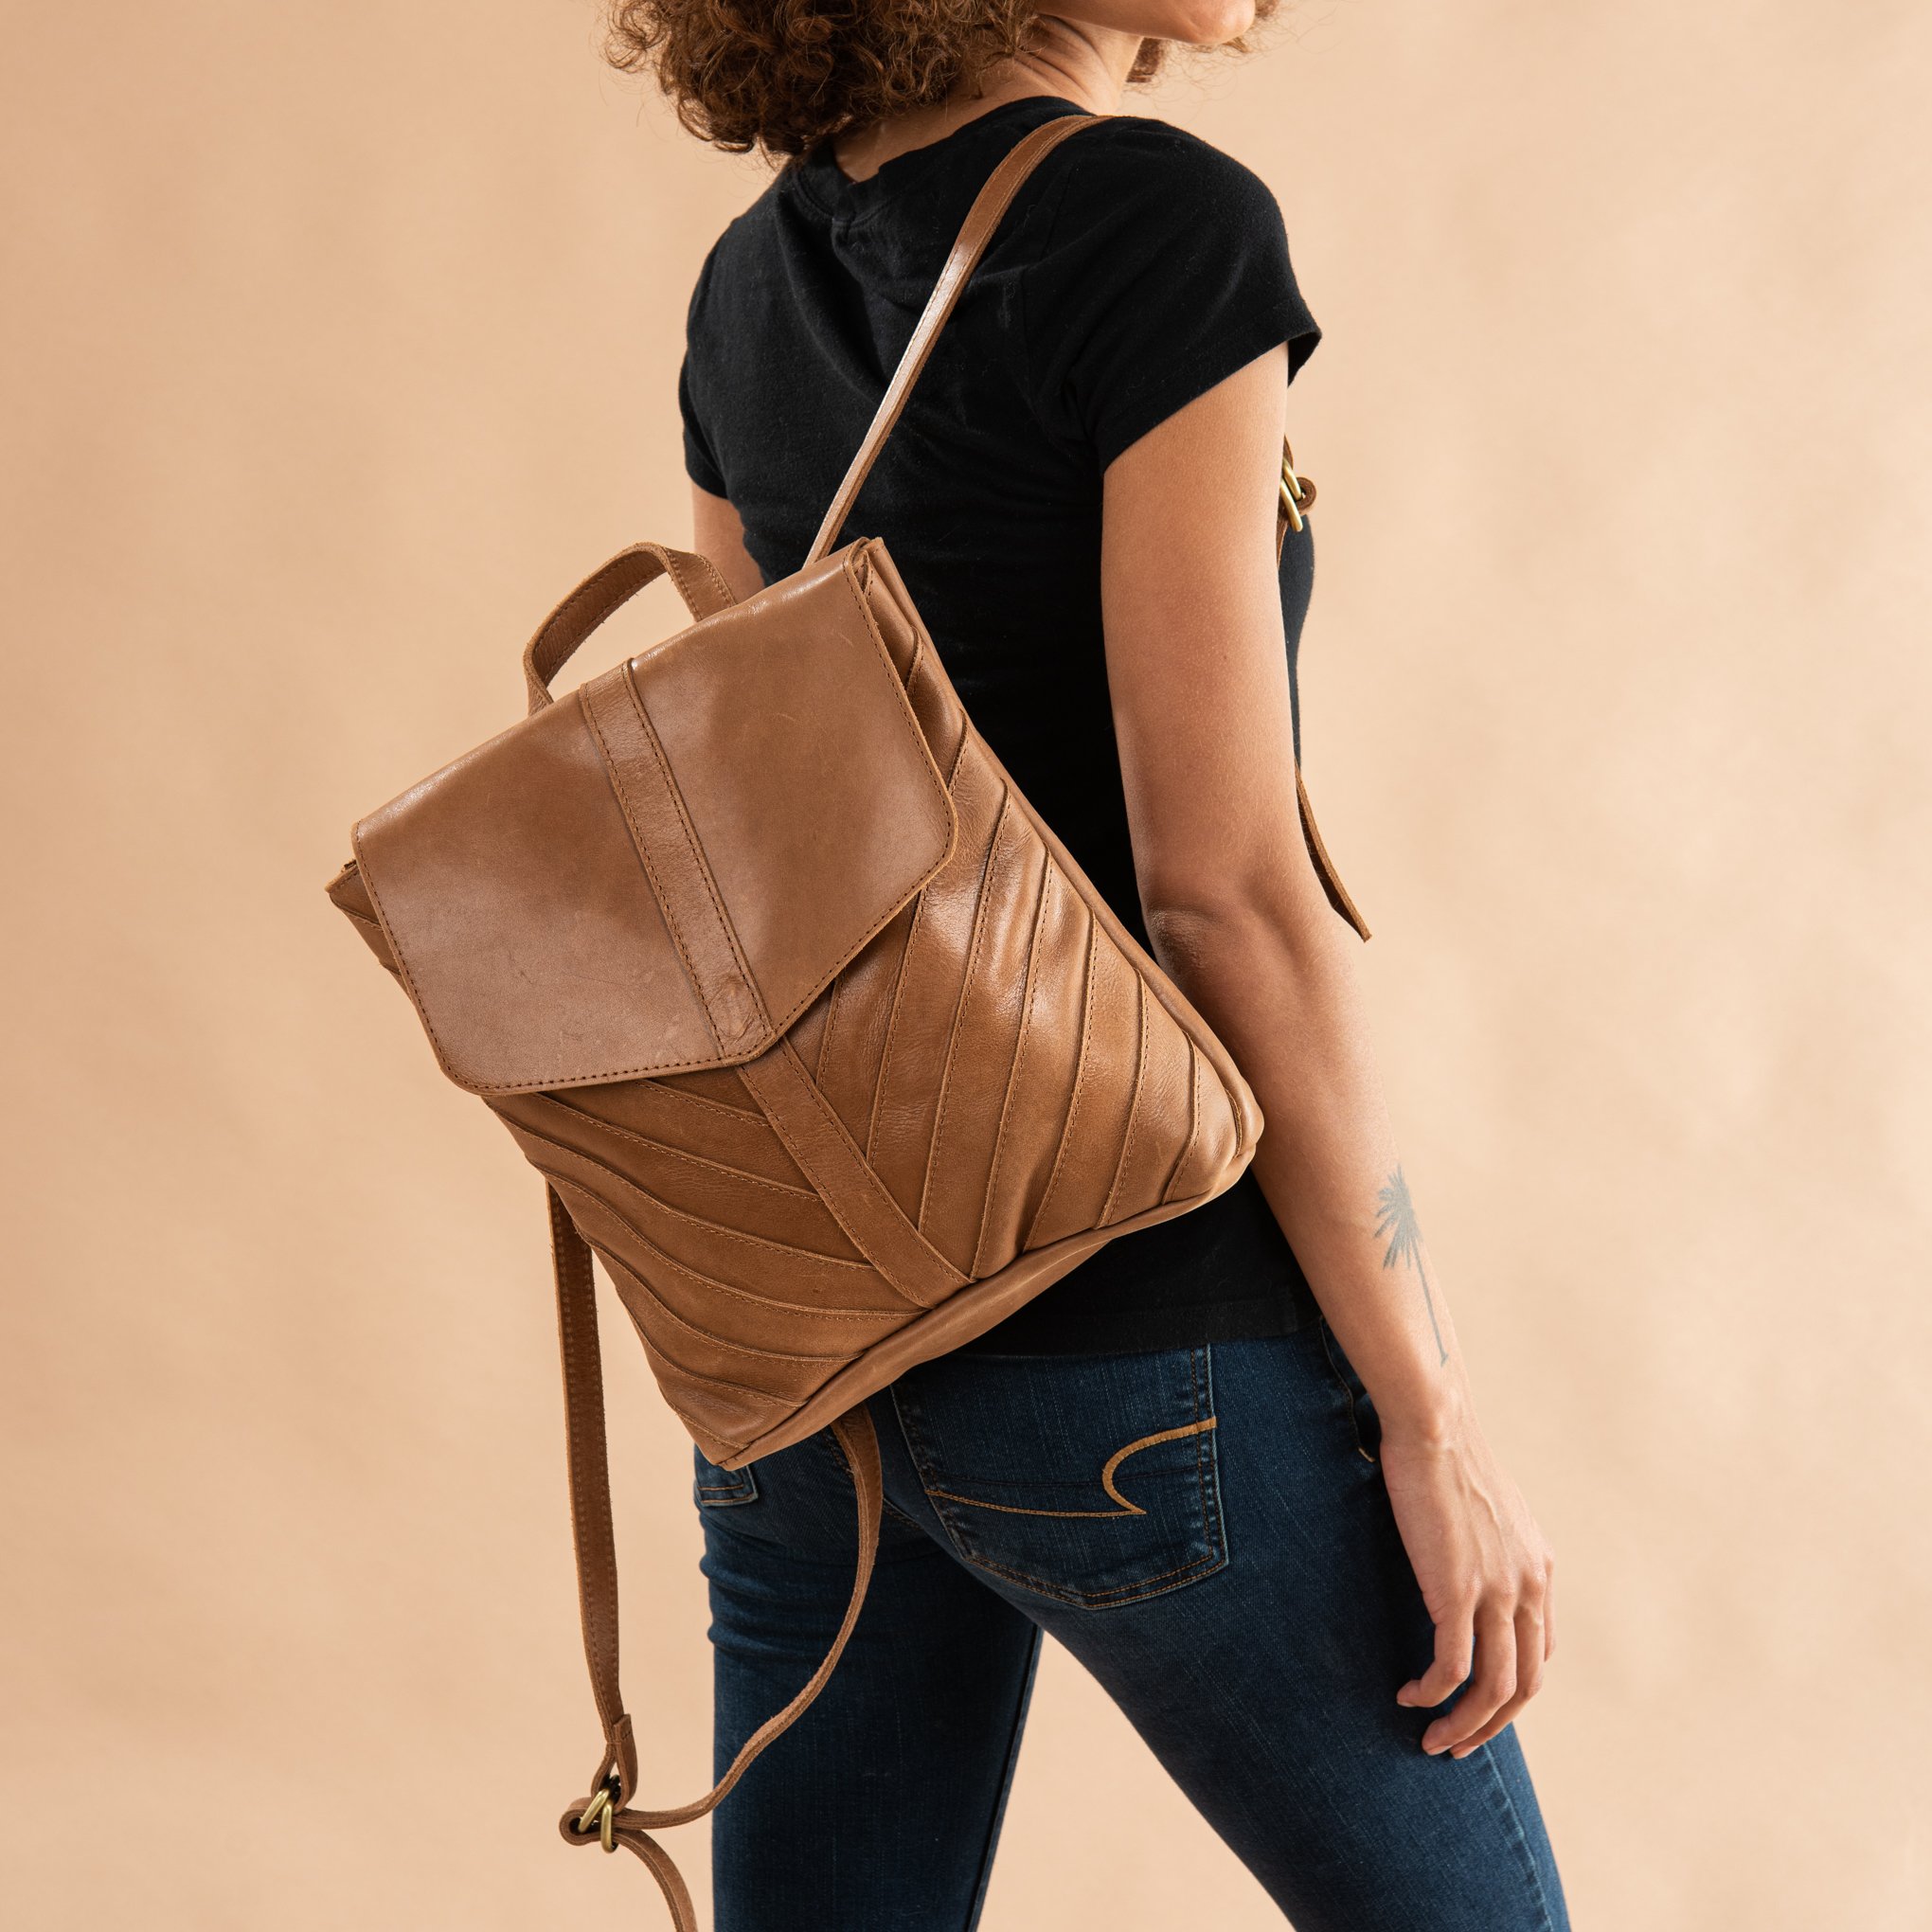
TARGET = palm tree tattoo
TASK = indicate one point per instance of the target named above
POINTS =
(1396, 1218)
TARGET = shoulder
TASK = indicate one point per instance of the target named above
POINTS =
(738, 263)
(724, 261)
(1163, 268)
(1133, 169)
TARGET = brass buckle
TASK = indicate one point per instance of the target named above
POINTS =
(1297, 491)
(601, 1812)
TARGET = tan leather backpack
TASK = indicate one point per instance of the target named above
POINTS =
(820, 1039)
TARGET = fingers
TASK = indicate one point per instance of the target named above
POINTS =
(1514, 1646)
(1529, 1661)
(1491, 1686)
(1548, 1608)
(1454, 1654)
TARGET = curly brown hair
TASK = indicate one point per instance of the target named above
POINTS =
(783, 75)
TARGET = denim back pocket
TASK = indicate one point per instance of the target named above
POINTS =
(1090, 1479)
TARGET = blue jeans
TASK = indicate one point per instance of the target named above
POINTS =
(1207, 1530)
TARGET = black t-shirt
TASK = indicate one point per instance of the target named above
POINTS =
(1137, 268)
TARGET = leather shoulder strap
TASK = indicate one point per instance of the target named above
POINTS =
(982, 218)
(606, 1815)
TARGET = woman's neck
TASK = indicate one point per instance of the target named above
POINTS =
(1064, 58)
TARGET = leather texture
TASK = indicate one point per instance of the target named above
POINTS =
(660, 872)
(820, 1037)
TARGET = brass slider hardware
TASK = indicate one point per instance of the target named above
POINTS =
(601, 1813)
(1297, 491)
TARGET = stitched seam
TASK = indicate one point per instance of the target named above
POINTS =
(1200, 1439)
(677, 1152)
(925, 661)
(655, 1066)
(825, 1439)
(1227, 1094)
(396, 953)
(698, 860)
(1013, 1080)
(557, 1178)
(756, 1241)
(905, 1406)
(1125, 1593)
(876, 1191)
(643, 850)
(543, 660)
(1519, 1838)
(695, 848)
(911, 678)
(692, 1100)
(835, 1209)
(724, 589)
(858, 947)
(705, 1334)
(980, 915)
(832, 1004)
(773, 1025)
(904, 709)
(1016, 1509)
(965, 738)
(1195, 1368)
(584, 1511)
(1200, 1426)
(1193, 1123)
(899, 984)
(1079, 1067)
(704, 1377)
(698, 1221)
(684, 588)
(1133, 1104)
(676, 572)
(891, 1016)
(656, 1354)
(595, 592)
(892, 1509)
(875, 585)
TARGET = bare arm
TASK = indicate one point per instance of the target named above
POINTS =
(716, 533)
(1197, 666)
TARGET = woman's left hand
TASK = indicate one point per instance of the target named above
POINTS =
(1486, 1575)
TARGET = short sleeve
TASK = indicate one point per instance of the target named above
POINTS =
(1165, 268)
(701, 463)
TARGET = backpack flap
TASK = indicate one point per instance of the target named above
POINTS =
(660, 871)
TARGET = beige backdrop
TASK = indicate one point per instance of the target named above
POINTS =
(341, 339)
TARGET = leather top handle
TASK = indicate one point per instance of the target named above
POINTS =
(977, 230)
(704, 593)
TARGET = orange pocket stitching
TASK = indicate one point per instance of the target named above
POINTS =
(1112, 1464)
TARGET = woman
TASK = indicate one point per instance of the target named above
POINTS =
(1327, 1626)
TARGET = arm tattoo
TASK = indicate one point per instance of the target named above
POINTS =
(1396, 1218)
